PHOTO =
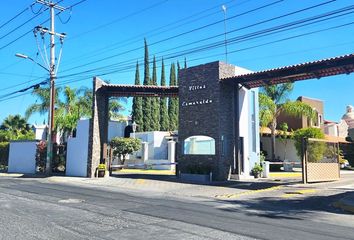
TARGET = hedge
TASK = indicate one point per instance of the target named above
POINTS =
(4, 154)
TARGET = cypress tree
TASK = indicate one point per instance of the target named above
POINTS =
(155, 101)
(146, 101)
(164, 125)
(185, 62)
(137, 110)
(173, 102)
(178, 68)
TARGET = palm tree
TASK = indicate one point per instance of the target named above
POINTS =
(41, 105)
(14, 123)
(74, 104)
(14, 128)
(273, 100)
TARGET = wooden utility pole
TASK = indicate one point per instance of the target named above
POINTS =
(52, 74)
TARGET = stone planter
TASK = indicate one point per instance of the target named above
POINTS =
(202, 178)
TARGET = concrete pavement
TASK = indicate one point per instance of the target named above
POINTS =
(169, 185)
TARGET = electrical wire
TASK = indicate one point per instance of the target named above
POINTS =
(22, 24)
(265, 32)
(16, 16)
(171, 26)
(24, 34)
(116, 70)
(178, 35)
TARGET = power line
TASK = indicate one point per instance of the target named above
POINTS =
(30, 31)
(238, 50)
(137, 38)
(22, 24)
(16, 16)
(179, 35)
(242, 38)
(122, 68)
(120, 19)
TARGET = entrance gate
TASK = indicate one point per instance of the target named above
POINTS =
(320, 160)
(209, 103)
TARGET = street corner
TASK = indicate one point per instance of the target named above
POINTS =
(346, 203)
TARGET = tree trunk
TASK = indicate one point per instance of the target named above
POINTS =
(272, 128)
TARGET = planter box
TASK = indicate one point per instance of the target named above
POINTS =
(203, 178)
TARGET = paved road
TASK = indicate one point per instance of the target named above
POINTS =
(39, 209)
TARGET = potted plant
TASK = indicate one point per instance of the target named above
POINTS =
(256, 170)
(101, 170)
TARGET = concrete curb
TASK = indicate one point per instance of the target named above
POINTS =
(346, 204)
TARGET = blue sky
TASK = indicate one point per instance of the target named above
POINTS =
(105, 38)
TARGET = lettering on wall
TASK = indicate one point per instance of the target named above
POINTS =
(196, 101)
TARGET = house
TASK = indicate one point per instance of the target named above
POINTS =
(285, 149)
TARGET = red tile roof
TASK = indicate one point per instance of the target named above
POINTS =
(303, 71)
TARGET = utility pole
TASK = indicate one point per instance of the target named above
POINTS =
(52, 75)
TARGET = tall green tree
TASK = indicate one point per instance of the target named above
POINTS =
(155, 101)
(41, 105)
(71, 105)
(185, 62)
(15, 127)
(164, 124)
(147, 116)
(173, 102)
(273, 100)
(137, 107)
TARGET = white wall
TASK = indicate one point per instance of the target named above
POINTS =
(77, 151)
(22, 157)
(250, 157)
(157, 143)
(116, 129)
(291, 154)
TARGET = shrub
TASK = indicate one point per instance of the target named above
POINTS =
(4, 154)
(257, 169)
(123, 146)
(316, 149)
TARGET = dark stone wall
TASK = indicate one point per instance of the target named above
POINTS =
(98, 131)
(206, 108)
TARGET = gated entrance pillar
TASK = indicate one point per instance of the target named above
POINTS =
(98, 130)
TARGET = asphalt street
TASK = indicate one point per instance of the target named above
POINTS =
(39, 209)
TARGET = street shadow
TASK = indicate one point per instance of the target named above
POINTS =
(256, 184)
(285, 208)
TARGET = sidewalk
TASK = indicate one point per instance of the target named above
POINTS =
(168, 185)
(346, 203)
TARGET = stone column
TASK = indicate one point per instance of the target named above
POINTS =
(98, 131)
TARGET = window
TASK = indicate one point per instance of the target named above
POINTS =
(199, 145)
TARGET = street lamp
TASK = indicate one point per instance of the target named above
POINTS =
(50, 111)
(20, 55)
(134, 125)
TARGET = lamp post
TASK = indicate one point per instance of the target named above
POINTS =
(50, 111)
(20, 55)
(134, 125)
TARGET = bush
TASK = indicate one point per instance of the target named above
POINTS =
(4, 155)
(123, 146)
(316, 149)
